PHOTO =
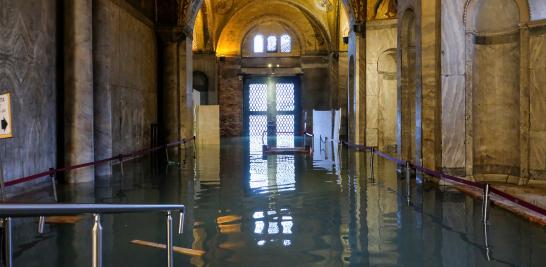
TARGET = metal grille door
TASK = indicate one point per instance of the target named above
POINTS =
(271, 110)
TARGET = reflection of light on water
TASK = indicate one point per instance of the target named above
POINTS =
(259, 227)
(273, 228)
(287, 227)
(279, 226)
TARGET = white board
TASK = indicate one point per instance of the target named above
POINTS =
(5, 116)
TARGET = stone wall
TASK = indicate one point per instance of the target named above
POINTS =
(28, 71)
(125, 78)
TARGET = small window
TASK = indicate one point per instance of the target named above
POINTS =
(286, 44)
(272, 43)
(259, 43)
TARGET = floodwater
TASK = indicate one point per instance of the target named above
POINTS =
(324, 209)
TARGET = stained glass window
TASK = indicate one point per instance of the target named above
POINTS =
(286, 44)
(259, 43)
(272, 43)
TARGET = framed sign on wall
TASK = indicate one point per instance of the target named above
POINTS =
(5, 116)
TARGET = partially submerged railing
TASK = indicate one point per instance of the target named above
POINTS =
(487, 189)
(121, 158)
(10, 211)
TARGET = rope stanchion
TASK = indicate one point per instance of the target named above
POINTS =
(52, 172)
(443, 176)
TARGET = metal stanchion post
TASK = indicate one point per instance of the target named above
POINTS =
(121, 164)
(485, 207)
(408, 189)
(181, 223)
(8, 252)
(169, 239)
(167, 154)
(486, 241)
(97, 241)
(41, 223)
(53, 183)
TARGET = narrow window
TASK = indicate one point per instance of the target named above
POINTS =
(259, 43)
(272, 43)
(286, 44)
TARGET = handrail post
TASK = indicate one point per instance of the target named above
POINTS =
(169, 239)
(53, 183)
(485, 204)
(8, 252)
(167, 154)
(97, 241)
(408, 189)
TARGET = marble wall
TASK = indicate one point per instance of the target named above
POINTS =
(537, 96)
(125, 76)
(28, 71)
(381, 43)
(453, 86)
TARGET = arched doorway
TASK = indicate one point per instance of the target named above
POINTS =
(407, 93)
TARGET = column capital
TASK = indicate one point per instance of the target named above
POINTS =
(172, 34)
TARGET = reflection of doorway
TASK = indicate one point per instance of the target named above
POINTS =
(272, 105)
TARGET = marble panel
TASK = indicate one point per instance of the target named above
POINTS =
(537, 159)
(538, 99)
(453, 121)
(453, 37)
(496, 108)
(372, 111)
(208, 124)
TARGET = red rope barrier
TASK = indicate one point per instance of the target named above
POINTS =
(441, 175)
(94, 163)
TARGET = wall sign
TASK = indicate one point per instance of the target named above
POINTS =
(5, 116)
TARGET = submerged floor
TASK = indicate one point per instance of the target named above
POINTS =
(298, 210)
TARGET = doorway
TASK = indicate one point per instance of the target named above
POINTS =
(272, 110)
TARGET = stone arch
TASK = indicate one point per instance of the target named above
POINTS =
(408, 127)
(387, 91)
(493, 82)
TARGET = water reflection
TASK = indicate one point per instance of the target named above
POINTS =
(289, 211)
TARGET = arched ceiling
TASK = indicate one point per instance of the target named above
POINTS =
(229, 20)
(310, 30)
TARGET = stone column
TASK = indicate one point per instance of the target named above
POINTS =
(78, 87)
(357, 103)
(177, 111)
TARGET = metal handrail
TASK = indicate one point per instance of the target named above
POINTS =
(9, 211)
